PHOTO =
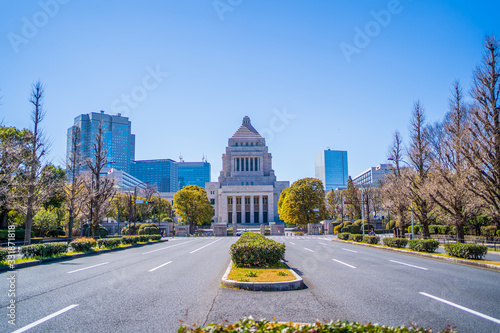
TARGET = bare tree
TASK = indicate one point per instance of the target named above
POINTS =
(335, 204)
(420, 160)
(395, 188)
(100, 190)
(483, 150)
(74, 189)
(450, 180)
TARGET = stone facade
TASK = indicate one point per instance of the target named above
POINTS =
(247, 191)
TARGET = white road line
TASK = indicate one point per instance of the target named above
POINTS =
(168, 247)
(343, 263)
(402, 263)
(205, 246)
(321, 243)
(154, 269)
(44, 319)
(308, 249)
(292, 243)
(479, 314)
(82, 269)
(349, 250)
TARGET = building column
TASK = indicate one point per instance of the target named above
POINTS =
(234, 209)
(270, 207)
(252, 210)
(243, 220)
(223, 209)
(261, 210)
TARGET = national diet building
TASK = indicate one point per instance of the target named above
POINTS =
(247, 191)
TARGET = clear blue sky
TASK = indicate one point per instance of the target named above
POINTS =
(236, 58)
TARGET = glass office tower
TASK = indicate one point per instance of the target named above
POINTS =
(193, 173)
(331, 169)
(162, 173)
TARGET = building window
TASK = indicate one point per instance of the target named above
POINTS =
(264, 200)
(247, 201)
(256, 200)
(246, 164)
(229, 200)
(256, 164)
(212, 201)
(212, 192)
(238, 201)
(237, 164)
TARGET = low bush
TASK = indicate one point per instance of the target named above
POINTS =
(344, 235)
(148, 229)
(254, 250)
(423, 245)
(371, 239)
(108, 242)
(247, 325)
(18, 234)
(355, 237)
(416, 227)
(4, 254)
(129, 240)
(84, 244)
(43, 250)
(395, 242)
(466, 251)
(154, 237)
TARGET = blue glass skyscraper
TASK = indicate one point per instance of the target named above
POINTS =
(193, 173)
(162, 173)
(331, 169)
(119, 142)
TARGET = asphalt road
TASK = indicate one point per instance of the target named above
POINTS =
(152, 288)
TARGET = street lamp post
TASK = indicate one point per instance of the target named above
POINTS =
(411, 207)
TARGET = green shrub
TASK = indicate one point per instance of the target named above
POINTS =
(108, 242)
(416, 227)
(18, 234)
(498, 233)
(489, 231)
(434, 229)
(103, 232)
(337, 229)
(254, 250)
(344, 235)
(466, 251)
(148, 229)
(154, 237)
(395, 242)
(129, 239)
(247, 325)
(84, 244)
(371, 239)
(355, 237)
(43, 250)
(423, 245)
(4, 254)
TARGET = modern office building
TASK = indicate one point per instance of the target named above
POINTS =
(193, 173)
(123, 180)
(372, 176)
(119, 142)
(247, 190)
(331, 169)
(162, 173)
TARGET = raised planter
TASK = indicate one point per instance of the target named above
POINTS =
(296, 284)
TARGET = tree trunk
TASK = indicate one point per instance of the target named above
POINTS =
(29, 220)
(70, 225)
(425, 231)
(460, 233)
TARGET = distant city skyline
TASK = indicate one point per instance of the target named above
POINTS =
(338, 74)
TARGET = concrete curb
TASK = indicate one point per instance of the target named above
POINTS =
(70, 257)
(428, 255)
(296, 284)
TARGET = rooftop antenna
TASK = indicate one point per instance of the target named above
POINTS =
(204, 158)
(180, 158)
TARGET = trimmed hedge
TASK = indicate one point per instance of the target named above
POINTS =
(108, 242)
(255, 250)
(130, 239)
(356, 237)
(84, 244)
(466, 251)
(148, 229)
(43, 250)
(423, 245)
(247, 325)
(395, 242)
(154, 237)
(18, 234)
(344, 235)
(371, 239)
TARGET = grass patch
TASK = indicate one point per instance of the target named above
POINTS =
(273, 274)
